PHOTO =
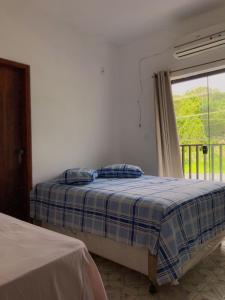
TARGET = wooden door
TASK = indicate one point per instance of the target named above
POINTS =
(15, 139)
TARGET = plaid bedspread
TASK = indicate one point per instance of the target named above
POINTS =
(168, 216)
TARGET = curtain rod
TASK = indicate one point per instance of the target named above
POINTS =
(194, 66)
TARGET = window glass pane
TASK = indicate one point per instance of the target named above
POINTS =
(191, 108)
(216, 85)
(217, 108)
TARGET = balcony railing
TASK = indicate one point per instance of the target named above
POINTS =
(203, 161)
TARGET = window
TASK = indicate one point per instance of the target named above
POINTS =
(199, 104)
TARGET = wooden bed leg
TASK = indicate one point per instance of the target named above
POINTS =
(152, 263)
(152, 288)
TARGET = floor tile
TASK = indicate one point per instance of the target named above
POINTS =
(205, 282)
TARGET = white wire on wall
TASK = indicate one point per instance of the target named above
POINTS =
(140, 80)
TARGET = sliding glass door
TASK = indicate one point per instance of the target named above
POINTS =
(199, 104)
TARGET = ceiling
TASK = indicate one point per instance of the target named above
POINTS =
(120, 21)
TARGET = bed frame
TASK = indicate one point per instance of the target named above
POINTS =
(135, 258)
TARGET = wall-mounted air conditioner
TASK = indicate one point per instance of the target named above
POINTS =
(200, 45)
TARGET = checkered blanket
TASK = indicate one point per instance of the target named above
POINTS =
(168, 216)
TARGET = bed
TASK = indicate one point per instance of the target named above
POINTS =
(158, 226)
(36, 263)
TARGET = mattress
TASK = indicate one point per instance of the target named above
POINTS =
(39, 264)
(170, 217)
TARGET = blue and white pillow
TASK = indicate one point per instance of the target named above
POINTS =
(77, 176)
(120, 171)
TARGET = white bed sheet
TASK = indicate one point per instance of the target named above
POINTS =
(39, 264)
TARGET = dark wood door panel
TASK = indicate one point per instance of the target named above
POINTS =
(15, 167)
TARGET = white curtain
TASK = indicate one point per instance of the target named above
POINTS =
(169, 160)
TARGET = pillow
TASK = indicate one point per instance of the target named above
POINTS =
(77, 176)
(120, 171)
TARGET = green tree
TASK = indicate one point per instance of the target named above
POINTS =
(190, 121)
(200, 114)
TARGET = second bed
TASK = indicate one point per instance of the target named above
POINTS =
(151, 224)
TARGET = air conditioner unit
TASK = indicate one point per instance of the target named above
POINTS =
(200, 45)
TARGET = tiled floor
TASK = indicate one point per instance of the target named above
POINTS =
(205, 282)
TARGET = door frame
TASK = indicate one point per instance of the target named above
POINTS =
(26, 128)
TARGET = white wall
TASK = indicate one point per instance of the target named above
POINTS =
(72, 101)
(138, 145)
(81, 117)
